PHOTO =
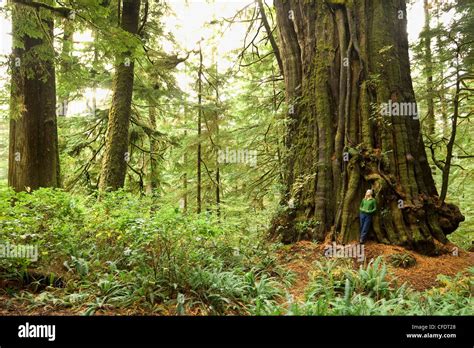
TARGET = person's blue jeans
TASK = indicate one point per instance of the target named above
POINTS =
(365, 221)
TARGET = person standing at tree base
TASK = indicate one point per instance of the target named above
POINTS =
(367, 208)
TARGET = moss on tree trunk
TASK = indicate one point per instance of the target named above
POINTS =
(116, 156)
(33, 141)
(343, 60)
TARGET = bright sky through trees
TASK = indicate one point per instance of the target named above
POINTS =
(188, 25)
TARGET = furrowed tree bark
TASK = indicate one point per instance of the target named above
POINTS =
(116, 156)
(33, 142)
(343, 61)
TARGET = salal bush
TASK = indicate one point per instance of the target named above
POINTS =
(120, 250)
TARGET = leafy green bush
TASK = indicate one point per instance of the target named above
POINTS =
(336, 289)
(403, 260)
(118, 251)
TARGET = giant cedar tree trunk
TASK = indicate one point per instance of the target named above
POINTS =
(33, 142)
(343, 60)
(114, 165)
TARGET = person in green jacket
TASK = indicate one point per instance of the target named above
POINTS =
(367, 208)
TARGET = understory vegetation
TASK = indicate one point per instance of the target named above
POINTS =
(111, 251)
(195, 157)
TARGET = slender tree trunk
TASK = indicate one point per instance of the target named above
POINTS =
(218, 184)
(271, 38)
(185, 175)
(430, 117)
(216, 144)
(452, 138)
(442, 86)
(33, 143)
(343, 62)
(218, 173)
(116, 156)
(152, 184)
(184, 197)
(199, 130)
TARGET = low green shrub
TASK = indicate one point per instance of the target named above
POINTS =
(116, 251)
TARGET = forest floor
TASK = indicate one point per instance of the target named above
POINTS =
(421, 276)
(298, 258)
